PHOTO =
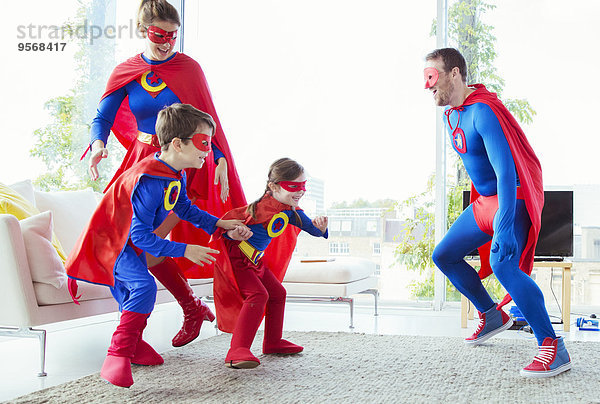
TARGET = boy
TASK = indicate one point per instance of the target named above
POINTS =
(111, 250)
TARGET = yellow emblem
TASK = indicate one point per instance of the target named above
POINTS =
(168, 204)
(154, 77)
(277, 224)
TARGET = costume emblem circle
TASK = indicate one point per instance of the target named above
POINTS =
(173, 189)
(459, 141)
(148, 87)
(277, 224)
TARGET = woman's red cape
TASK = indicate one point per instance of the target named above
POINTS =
(185, 78)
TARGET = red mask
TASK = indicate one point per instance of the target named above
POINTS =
(431, 77)
(159, 36)
(202, 141)
(293, 186)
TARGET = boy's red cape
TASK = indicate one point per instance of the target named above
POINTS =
(184, 76)
(228, 299)
(102, 241)
(530, 176)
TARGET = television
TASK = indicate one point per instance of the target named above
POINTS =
(556, 233)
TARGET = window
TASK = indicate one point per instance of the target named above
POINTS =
(376, 248)
(339, 248)
(347, 225)
(335, 225)
(596, 249)
(372, 226)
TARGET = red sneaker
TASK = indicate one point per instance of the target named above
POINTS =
(551, 360)
(492, 322)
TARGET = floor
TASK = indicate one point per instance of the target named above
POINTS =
(77, 348)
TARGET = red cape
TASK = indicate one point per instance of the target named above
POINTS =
(530, 176)
(106, 234)
(228, 299)
(185, 78)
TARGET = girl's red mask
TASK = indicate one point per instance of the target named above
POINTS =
(159, 36)
(293, 186)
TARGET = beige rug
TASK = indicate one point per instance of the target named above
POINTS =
(348, 368)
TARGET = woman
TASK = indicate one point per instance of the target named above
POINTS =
(136, 91)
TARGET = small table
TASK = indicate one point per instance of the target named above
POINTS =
(466, 307)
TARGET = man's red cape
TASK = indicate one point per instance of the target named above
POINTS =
(228, 299)
(106, 234)
(184, 76)
(530, 176)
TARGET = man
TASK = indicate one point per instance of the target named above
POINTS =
(503, 220)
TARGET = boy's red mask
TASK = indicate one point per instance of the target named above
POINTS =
(159, 36)
(293, 186)
(431, 77)
(202, 141)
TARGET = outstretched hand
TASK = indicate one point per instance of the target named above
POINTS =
(229, 224)
(240, 233)
(321, 222)
(200, 255)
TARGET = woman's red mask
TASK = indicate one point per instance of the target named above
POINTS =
(431, 76)
(202, 141)
(159, 36)
(293, 186)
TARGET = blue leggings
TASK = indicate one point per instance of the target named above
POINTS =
(135, 288)
(463, 237)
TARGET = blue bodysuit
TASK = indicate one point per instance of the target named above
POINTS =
(478, 138)
(135, 287)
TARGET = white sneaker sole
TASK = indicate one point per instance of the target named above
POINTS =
(481, 340)
(549, 373)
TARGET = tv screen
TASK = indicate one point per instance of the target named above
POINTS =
(556, 234)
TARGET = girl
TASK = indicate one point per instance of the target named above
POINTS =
(248, 285)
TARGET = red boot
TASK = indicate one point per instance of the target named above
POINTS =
(146, 355)
(194, 310)
(272, 342)
(117, 365)
(241, 358)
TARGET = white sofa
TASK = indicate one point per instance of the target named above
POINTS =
(331, 280)
(25, 302)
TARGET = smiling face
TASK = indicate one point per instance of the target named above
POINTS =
(156, 50)
(444, 88)
(291, 192)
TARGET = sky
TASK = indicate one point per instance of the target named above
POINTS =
(337, 85)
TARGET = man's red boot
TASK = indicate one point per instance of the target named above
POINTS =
(195, 311)
(117, 365)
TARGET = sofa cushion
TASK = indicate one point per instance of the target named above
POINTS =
(72, 211)
(25, 189)
(47, 295)
(14, 204)
(44, 263)
(336, 270)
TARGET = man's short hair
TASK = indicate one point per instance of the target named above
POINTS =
(452, 58)
(180, 120)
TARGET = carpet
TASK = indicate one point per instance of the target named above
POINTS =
(347, 368)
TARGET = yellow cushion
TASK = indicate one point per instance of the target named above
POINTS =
(14, 204)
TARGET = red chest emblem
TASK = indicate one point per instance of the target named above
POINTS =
(459, 141)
